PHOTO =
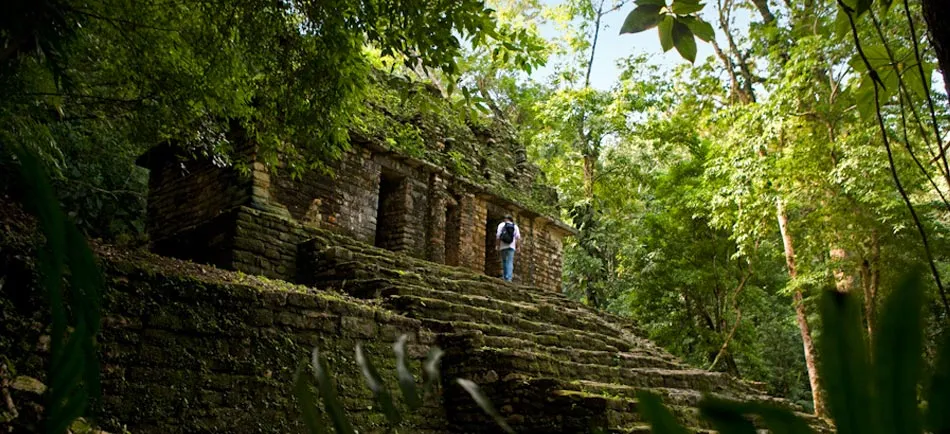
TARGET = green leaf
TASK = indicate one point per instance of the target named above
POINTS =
(682, 7)
(660, 3)
(659, 417)
(375, 384)
(701, 29)
(844, 364)
(858, 7)
(938, 391)
(917, 85)
(484, 403)
(642, 18)
(898, 342)
(407, 383)
(864, 97)
(306, 399)
(725, 416)
(430, 370)
(684, 42)
(779, 420)
(331, 402)
(665, 28)
(842, 24)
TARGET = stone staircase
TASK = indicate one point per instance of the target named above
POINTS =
(548, 364)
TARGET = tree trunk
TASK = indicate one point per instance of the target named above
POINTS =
(871, 277)
(800, 314)
(938, 25)
(590, 162)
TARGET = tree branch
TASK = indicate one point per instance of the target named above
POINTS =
(890, 158)
(735, 325)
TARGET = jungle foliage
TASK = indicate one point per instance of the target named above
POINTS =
(714, 200)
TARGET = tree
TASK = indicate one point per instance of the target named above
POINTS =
(107, 79)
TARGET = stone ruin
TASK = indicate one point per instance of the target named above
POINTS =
(191, 348)
(425, 206)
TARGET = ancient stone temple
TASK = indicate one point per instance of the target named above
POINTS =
(442, 204)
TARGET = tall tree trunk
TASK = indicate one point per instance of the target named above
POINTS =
(938, 26)
(801, 316)
(870, 279)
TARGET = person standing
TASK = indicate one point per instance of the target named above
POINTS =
(506, 241)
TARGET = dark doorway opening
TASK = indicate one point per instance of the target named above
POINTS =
(390, 213)
(453, 229)
(492, 256)
(453, 234)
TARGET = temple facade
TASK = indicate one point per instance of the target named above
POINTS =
(415, 205)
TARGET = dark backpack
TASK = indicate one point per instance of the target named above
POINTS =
(507, 233)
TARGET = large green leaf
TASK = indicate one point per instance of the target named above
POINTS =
(938, 391)
(898, 342)
(660, 419)
(682, 7)
(701, 29)
(842, 24)
(864, 97)
(327, 389)
(684, 42)
(407, 383)
(665, 28)
(726, 416)
(484, 403)
(375, 384)
(430, 370)
(660, 3)
(307, 400)
(910, 73)
(642, 18)
(729, 417)
(858, 7)
(844, 367)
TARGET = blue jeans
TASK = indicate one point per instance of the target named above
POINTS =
(507, 263)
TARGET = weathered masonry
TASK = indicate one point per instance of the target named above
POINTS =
(442, 205)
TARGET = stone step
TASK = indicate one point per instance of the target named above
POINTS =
(629, 359)
(507, 361)
(429, 308)
(540, 311)
(462, 281)
(342, 249)
(683, 403)
(561, 410)
(681, 397)
(543, 339)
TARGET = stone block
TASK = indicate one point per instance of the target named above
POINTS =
(359, 327)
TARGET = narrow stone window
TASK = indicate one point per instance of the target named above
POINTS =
(453, 223)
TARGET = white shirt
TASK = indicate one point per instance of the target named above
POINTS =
(514, 242)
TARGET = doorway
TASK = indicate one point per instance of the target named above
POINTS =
(389, 213)
(492, 258)
(453, 232)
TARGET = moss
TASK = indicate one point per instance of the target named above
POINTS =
(411, 119)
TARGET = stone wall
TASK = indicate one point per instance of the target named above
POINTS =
(547, 252)
(192, 349)
(184, 193)
(374, 197)
(345, 202)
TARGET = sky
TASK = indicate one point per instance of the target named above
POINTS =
(612, 46)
